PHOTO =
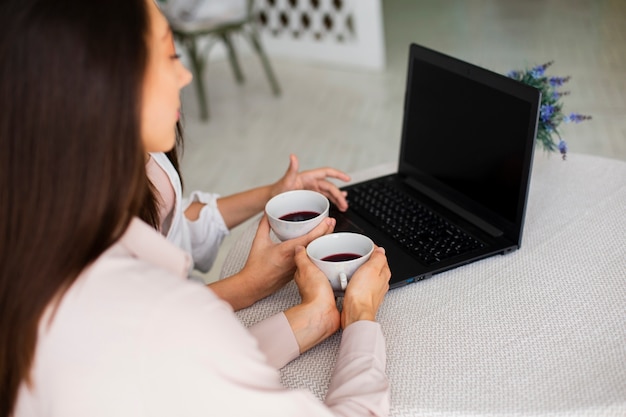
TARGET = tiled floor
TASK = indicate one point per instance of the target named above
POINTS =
(352, 119)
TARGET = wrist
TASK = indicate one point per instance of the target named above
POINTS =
(348, 319)
(274, 189)
(312, 323)
(249, 287)
(353, 312)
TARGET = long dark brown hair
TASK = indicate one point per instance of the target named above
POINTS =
(72, 165)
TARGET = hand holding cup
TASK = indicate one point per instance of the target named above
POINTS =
(339, 255)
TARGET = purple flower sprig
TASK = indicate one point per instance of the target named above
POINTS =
(576, 118)
(551, 108)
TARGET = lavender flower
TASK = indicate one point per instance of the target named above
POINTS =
(551, 108)
(563, 148)
(576, 118)
(537, 72)
(558, 81)
(546, 112)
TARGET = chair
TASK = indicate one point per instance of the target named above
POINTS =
(189, 29)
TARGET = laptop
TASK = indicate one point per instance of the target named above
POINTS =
(460, 192)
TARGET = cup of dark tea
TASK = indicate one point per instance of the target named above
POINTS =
(295, 213)
(339, 255)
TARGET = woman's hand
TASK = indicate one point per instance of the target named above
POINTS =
(269, 266)
(315, 180)
(366, 289)
(316, 317)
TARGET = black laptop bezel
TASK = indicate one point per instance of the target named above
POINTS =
(532, 96)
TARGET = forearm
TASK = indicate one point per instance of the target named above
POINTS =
(238, 208)
(251, 284)
(236, 291)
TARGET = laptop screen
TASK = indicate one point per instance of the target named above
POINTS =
(468, 133)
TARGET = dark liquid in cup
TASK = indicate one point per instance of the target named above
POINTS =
(299, 216)
(341, 257)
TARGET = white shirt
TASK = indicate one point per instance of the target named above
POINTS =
(200, 238)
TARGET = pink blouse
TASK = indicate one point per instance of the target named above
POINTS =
(133, 337)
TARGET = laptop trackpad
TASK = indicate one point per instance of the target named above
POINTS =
(345, 225)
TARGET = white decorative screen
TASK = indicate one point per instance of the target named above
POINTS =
(340, 31)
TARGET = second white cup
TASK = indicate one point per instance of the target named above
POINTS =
(339, 255)
(295, 213)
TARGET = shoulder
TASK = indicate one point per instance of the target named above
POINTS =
(130, 333)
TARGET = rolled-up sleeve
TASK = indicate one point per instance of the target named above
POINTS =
(207, 232)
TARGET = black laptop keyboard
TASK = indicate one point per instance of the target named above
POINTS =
(427, 235)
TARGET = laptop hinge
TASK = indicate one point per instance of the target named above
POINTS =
(472, 218)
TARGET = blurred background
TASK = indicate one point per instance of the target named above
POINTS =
(341, 67)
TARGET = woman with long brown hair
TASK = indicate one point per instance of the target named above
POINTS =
(96, 316)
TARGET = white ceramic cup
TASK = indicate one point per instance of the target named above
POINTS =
(351, 249)
(292, 203)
